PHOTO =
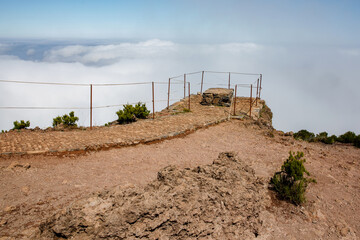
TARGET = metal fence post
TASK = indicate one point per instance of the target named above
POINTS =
(184, 86)
(91, 106)
(235, 100)
(250, 98)
(229, 81)
(202, 82)
(153, 100)
(189, 94)
(168, 100)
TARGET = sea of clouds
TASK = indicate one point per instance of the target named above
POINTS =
(309, 87)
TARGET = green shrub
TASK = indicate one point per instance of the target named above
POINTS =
(290, 183)
(140, 111)
(357, 141)
(131, 113)
(21, 125)
(347, 137)
(323, 137)
(304, 135)
(329, 140)
(67, 120)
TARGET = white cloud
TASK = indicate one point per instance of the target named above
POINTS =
(241, 47)
(300, 85)
(30, 51)
(108, 54)
(4, 47)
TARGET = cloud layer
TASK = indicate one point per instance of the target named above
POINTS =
(306, 87)
(108, 54)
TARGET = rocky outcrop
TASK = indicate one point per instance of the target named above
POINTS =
(218, 201)
(265, 116)
(217, 96)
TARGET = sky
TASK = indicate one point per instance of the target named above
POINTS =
(307, 51)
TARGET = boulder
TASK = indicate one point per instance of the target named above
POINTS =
(217, 96)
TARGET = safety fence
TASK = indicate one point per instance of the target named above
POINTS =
(153, 92)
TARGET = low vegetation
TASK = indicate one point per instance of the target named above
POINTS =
(348, 137)
(66, 120)
(290, 183)
(21, 125)
(357, 141)
(304, 135)
(131, 113)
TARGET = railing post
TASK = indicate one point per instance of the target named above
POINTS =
(189, 93)
(153, 100)
(257, 90)
(260, 86)
(202, 82)
(90, 106)
(235, 100)
(229, 81)
(250, 98)
(184, 85)
(168, 100)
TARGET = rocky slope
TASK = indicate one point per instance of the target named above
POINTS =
(218, 201)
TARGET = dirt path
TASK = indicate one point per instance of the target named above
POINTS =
(28, 196)
(167, 124)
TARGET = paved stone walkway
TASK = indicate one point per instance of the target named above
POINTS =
(167, 124)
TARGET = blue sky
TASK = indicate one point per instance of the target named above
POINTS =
(307, 51)
(287, 22)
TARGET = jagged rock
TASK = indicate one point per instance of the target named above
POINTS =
(218, 201)
(217, 96)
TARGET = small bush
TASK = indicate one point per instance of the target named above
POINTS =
(131, 113)
(67, 120)
(304, 135)
(357, 141)
(21, 125)
(329, 140)
(290, 183)
(323, 137)
(347, 137)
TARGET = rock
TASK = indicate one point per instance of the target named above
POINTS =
(208, 202)
(30, 233)
(344, 231)
(289, 134)
(26, 166)
(18, 166)
(25, 190)
(36, 129)
(217, 96)
(9, 209)
(3, 222)
(13, 165)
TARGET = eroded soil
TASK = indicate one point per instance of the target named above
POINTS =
(37, 187)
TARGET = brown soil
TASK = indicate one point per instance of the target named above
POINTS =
(168, 123)
(218, 201)
(34, 188)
